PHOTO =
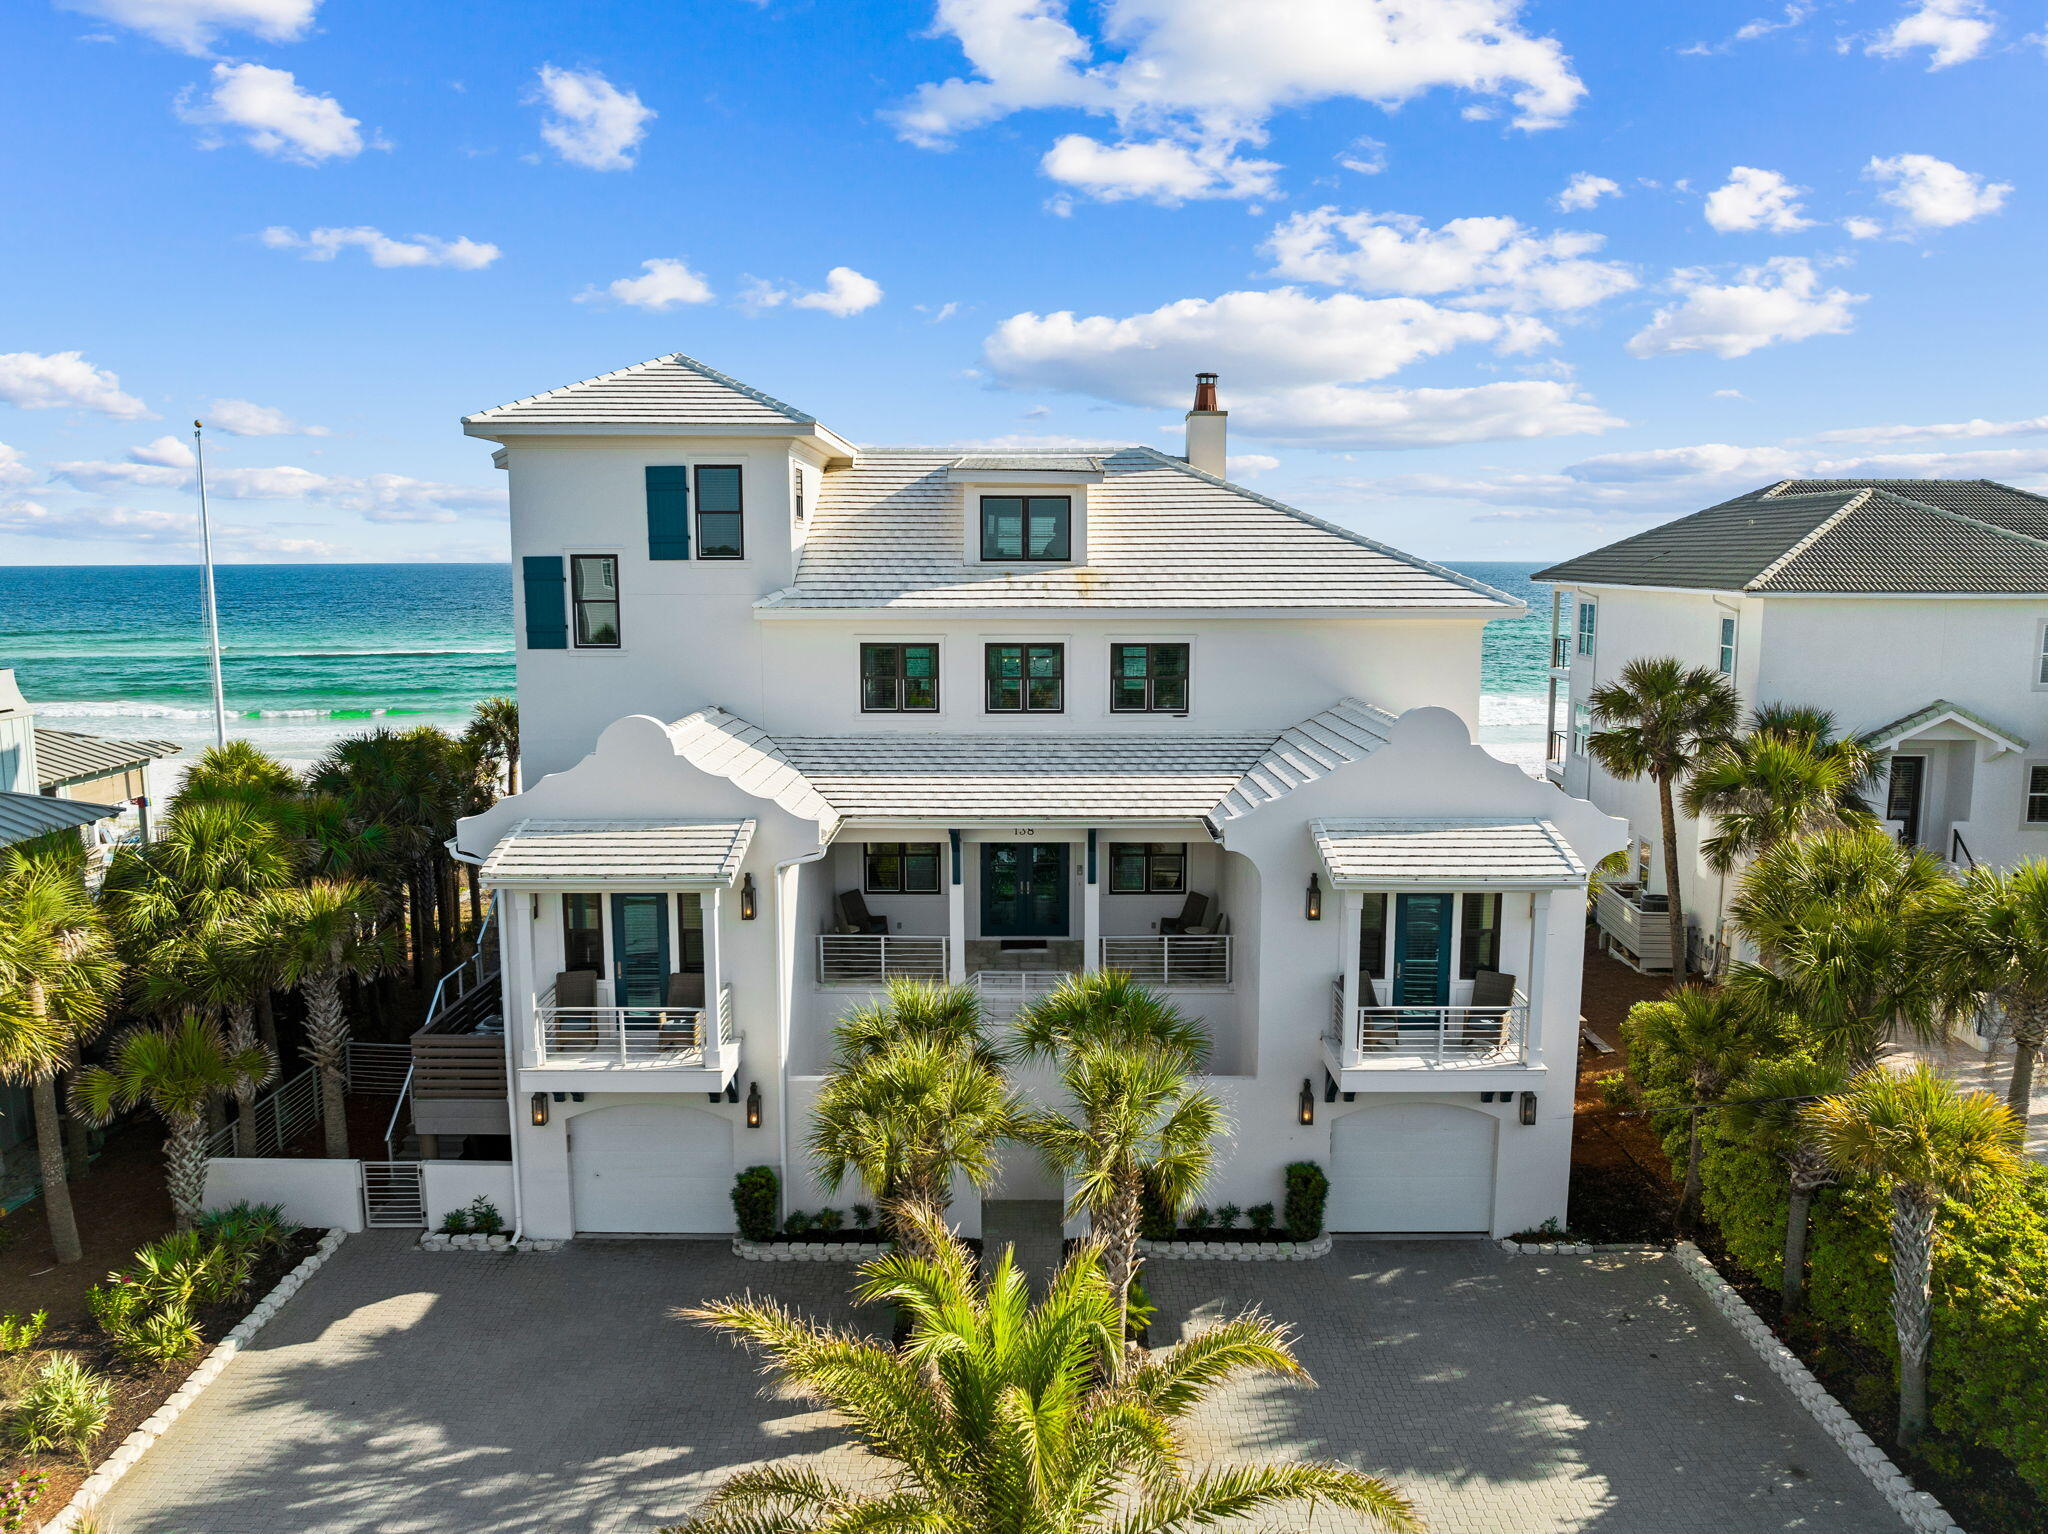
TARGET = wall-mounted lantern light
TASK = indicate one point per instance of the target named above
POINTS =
(540, 1110)
(747, 901)
(1312, 908)
(753, 1105)
(1528, 1107)
(1305, 1106)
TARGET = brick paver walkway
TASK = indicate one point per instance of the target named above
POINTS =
(414, 1393)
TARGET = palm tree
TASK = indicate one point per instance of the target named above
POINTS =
(1716, 1035)
(1925, 1141)
(216, 970)
(312, 939)
(1769, 1104)
(1657, 718)
(57, 975)
(1787, 776)
(997, 1417)
(906, 1121)
(928, 1011)
(177, 1072)
(1143, 1124)
(494, 726)
(1107, 1007)
(1844, 922)
(1992, 941)
(237, 770)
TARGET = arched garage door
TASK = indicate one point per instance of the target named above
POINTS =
(650, 1169)
(1412, 1167)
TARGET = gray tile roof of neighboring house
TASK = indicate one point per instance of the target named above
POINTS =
(586, 853)
(1532, 854)
(23, 816)
(671, 390)
(887, 533)
(1791, 537)
(1027, 776)
(64, 757)
(2019, 511)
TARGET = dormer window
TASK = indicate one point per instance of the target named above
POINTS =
(1027, 529)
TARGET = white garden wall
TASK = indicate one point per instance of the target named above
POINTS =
(320, 1193)
(450, 1185)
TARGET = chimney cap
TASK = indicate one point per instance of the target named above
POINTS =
(1205, 391)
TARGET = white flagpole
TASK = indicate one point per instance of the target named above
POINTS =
(220, 703)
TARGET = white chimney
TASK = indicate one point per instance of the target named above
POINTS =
(1206, 428)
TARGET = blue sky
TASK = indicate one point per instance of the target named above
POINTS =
(1805, 239)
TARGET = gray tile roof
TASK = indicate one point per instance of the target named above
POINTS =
(599, 853)
(1023, 775)
(1530, 854)
(1937, 712)
(23, 816)
(1055, 463)
(887, 533)
(665, 391)
(64, 757)
(2019, 511)
(1790, 537)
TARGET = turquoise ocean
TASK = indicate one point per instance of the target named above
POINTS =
(314, 652)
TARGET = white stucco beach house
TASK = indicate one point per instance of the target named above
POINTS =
(800, 716)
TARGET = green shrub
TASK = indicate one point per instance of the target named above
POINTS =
(160, 1337)
(18, 1333)
(246, 1228)
(1227, 1216)
(797, 1223)
(755, 1193)
(863, 1216)
(115, 1305)
(1261, 1218)
(828, 1219)
(64, 1408)
(1308, 1190)
(455, 1223)
(187, 1268)
(1199, 1217)
(1155, 1220)
(484, 1218)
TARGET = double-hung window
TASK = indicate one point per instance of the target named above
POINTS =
(721, 530)
(1148, 678)
(2041, 658)
(1589, 614)
(583, 932)
(1727, 647)
(1582, 728)
(900, 868)
(2037, 795)
(1027, 528)
(1148, 868)
(1027, 678)
(1478, 934)
(796, 491)
(1372, 939)
(899, 678)
(594, 589)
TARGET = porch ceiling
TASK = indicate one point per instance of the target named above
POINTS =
(587, 854)
(1446, 854)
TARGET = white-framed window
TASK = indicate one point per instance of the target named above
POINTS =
(594, 593)
(2041, 658)
(2037, 793)
(796, 489)
(1582, 728)
(1589, 614)
(1727, 646)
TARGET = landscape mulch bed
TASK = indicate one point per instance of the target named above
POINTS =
(138, 1392)
(120, 1204)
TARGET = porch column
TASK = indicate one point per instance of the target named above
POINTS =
(1091, 908)
(1539, 941)
(714, 968)
(956, 910)
(1350, 918)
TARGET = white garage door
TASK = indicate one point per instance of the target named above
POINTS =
(1412, 1167)
(650, 1168)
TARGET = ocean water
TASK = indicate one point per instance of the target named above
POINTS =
(315, 652)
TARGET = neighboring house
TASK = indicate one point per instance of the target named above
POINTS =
(799, 717)
(32, 803)
(1915, 610)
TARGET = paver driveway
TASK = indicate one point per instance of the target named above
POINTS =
(458, 1393)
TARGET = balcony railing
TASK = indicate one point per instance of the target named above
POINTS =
(673, 1037)
(1005, 991)
(1172, 960)
(860, 959)
(1556, 752)
(1561, 650)
(1395, 1037)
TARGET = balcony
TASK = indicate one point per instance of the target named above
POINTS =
(634, 1048)
(872, 959)
(1635, 926)
(1560, 652)
(1366, 1048)
(1172, 961)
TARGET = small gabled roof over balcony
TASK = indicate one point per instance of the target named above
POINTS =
(1943, 715)
(1446, 854)
(637, 854)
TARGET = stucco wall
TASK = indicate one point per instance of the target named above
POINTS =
(450, 1185)
(321, 1194)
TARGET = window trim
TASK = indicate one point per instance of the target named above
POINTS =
(1586, 626)
(988, 680)
(577, 602)
(865, 645)
(2041, 656)
(1150, 706)
(870, 886)
(698, 513)
(1024, 556)
(1731, 633)
(2028, 794)
(1147, 853)
(1468, 958)
(1582, 727)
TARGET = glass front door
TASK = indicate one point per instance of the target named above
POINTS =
(1024, 889)
(1422, 951)
(639, 950)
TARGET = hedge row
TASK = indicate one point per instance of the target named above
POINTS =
(1988, 1374)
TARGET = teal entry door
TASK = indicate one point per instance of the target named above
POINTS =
(1422, 950)
(639, 950)
(1024, 889)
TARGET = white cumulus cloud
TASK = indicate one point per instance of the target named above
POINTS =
(1367, 156)
(845, 292)
(14, 469)
(1784, 299)
(65, 381)
(152, 529)
(1944, 431)
(1488, 262)
(1583, 191)
(192, 25)
(589, 121)
(663, 283)
(1933, 194)
(168, 451)
(1249, 465)
(1756, 199)
(1952, 32)
(1165, 171)
(245, 418)
(167, 464)
(273, 115)
(462, 253)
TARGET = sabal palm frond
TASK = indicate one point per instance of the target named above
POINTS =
(929, 1011)
(1106, 1007)
(1769, 1104)
(494, 726)
(1766, 787)
(238, 770)
(997, 1416)
(1717, 1033)
(1991, 942)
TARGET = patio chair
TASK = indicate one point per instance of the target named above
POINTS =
(576, 988)
(854, 916)
(682, 1013)
(1485, 1029)
(1194, 916)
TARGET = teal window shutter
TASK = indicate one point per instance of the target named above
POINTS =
(668, 512)
(547, 602)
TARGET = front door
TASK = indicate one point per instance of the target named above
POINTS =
(1422, 951)
(1902, 802)
(639, 950)
(1024, 889)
